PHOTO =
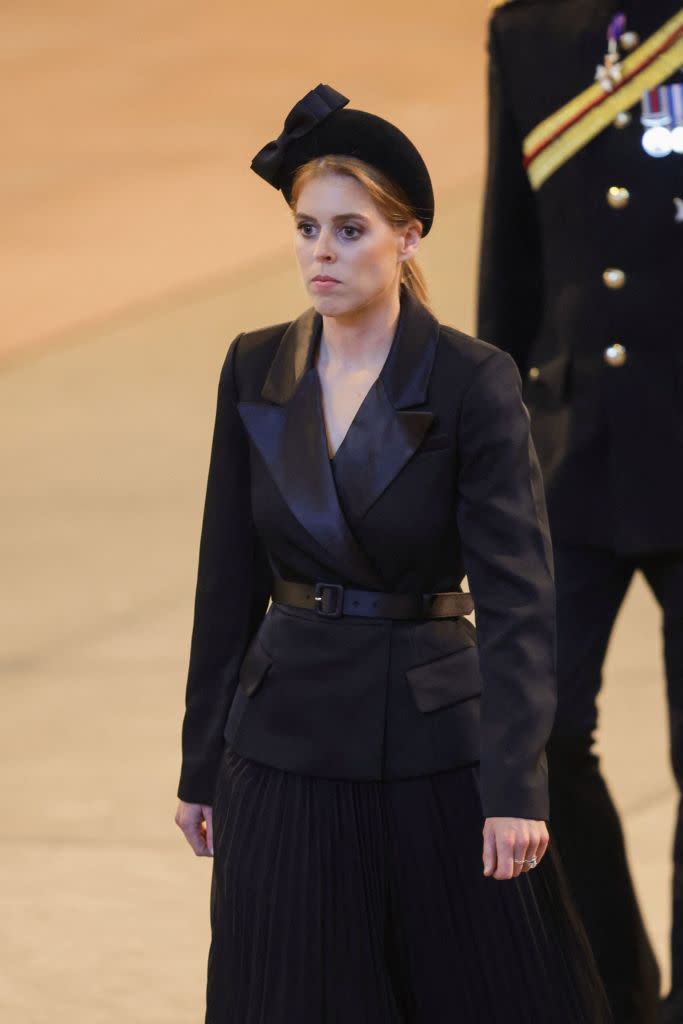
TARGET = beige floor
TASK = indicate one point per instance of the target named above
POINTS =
(126, 281)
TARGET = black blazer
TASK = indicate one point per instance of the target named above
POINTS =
(609, 438)
(435, 477)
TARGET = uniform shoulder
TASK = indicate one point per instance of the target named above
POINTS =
(497, 6)
(509, 13)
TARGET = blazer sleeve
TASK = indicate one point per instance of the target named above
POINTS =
(233, 588)
(508, 559)
(510, 290)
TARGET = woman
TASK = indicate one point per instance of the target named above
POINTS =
(342, 750)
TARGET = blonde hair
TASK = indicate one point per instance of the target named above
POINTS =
(391, 201)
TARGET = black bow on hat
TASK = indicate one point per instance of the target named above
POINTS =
(318, 125)
(316, 105)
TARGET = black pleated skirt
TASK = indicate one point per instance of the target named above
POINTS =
(341, 902)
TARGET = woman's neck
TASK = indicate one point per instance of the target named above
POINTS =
(360, 340)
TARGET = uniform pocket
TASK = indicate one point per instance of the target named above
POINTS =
(255, 667)
(446, 681)
(549, 384)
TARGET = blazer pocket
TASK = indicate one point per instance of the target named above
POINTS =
(434, 443)
(255, 667)
(446, 681)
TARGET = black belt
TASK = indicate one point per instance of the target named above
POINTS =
(332, 600)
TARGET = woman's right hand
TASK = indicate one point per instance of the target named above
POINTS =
(196, 823)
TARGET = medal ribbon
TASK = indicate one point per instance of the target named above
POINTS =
(663, 106)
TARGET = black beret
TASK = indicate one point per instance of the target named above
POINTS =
(318, 125)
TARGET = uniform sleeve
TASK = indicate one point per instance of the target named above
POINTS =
(508, 559)
(510, 293)
(233, 588)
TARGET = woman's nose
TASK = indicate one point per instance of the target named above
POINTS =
(324, 248)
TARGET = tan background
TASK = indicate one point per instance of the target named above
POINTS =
(135, 244)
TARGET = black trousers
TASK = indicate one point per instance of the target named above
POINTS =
(591, 585)
(343, 902)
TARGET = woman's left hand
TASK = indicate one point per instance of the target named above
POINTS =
(512, 844)
(195, 821)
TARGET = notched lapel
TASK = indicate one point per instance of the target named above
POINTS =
(288, 431)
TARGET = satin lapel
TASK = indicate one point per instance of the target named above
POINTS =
(375, 449)
(388, 429)
(291, 439)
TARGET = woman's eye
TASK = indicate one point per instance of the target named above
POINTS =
(308, 230)
(350, 231)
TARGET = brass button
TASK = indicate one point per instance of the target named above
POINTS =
(618, 197)
(622, 120)
(629, 40)
(534, 373)
(615, 355)
(613, 278)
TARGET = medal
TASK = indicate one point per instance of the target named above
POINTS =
(676, 99)
(608, 74)
(662, 120)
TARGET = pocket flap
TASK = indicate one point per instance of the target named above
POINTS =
(447, 680)
(254, 668)
(549, 388)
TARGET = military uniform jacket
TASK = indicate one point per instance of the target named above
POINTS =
(566, 276)
(435, 477)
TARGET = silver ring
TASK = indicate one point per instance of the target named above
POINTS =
(532, 862)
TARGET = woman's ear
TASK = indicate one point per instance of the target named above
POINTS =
(408, 240)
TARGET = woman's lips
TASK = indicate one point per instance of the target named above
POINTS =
(323, 283)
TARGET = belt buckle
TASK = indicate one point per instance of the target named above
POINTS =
(319, 598)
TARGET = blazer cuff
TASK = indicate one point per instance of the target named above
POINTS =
(198, 782)
(516, 794)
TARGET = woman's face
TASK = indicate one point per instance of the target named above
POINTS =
(349, 254)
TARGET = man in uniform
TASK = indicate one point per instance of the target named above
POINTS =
(581, 281)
